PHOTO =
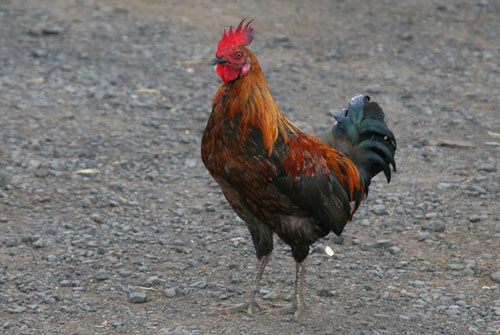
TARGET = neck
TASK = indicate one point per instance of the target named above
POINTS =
(250, 97)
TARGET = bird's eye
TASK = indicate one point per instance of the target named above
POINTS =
(238, 55)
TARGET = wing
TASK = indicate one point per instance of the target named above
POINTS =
(320, 181)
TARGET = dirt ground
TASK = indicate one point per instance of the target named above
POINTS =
(110, 224)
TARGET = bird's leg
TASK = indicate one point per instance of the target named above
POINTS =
(300, 274)
(254, 287)
(298, 306)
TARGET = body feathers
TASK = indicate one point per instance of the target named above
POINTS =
(277, 178)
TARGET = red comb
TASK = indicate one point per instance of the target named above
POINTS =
(242, 35)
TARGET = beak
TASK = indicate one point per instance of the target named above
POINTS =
(218, 60)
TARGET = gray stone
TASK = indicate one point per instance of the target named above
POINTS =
(16, 309)
(383, 243)
(101, 275)
(422, 236)
(169, 292)
(379, 209)
(455, 267)
(38, 244)
(495, 276)
(234, 276)
(373, 89)
(271, 296)
(394, 250)
(137, 297)
(51, 258)
(474, 218)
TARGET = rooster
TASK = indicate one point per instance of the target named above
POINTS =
(279, 179)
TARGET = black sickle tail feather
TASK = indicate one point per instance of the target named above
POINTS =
(362, 135)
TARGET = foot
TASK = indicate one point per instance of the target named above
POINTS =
(287, 309)
(248, 306)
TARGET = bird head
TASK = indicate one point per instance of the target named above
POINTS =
(232, 58)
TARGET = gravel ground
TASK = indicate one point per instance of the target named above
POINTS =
(110, 223)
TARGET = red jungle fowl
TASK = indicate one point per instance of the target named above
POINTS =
(277, 178)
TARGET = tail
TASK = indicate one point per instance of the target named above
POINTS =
(362, 135)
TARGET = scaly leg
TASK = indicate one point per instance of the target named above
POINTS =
(298, 306)
(300, 275)
(254, 287)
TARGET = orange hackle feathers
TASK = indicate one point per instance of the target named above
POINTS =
(252, 100)
(241, 36)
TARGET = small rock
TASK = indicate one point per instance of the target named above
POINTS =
(102, 275)
(152, 281)
(38, 244)
(338, 239)
(405, 36)
(474, 218)
(394, 250)
(488, 167)
(234, 276)
(200, 284)
(495, 276)
(438, 227)
(169, 292)
(16, 309)
(97, 218)
(30, 239)
(383, 243)
(379, 209)
(51, 258)
(137, 297)
(430, 215)
(210, 208)
(373, 89)
(455, 267)
(324, 292)
(426, 111)
(422, 236)
(191, 163)
(271, 296)
(197, 209)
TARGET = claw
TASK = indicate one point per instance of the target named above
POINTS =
(287, 309)
(233, 309)
(246, 306)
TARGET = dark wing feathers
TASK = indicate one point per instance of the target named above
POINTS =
(320, 181)
(320, 196)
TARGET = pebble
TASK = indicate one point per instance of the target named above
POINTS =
(51, 258)
(422, 236)
(379, 209)
(373, 89)
(102, 275)
(383, 243)
(455, 267)
(324, 292)
(152, 281)
(38, 244)
(16, 309)
(474, 218)
(495, 276)
(394, 250)
(234, 276)
(338, 239)
(137, 297)
(169, 292)
(271, 296)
